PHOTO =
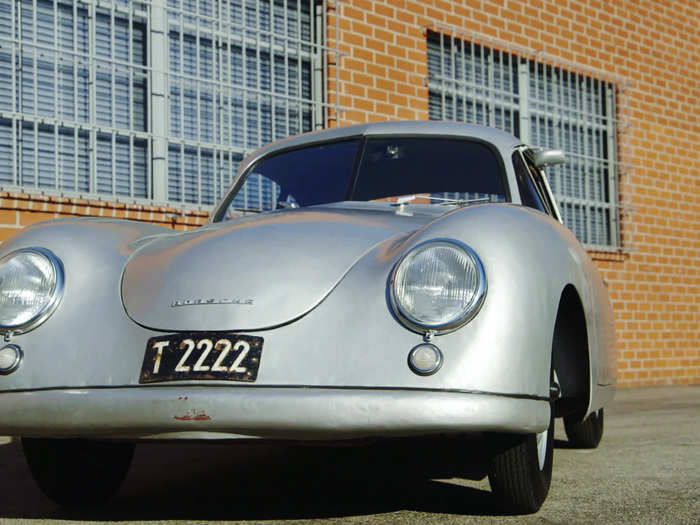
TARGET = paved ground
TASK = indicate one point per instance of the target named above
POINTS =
(647, 470)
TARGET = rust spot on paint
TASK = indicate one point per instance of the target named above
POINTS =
(188, 417)
(193, 415)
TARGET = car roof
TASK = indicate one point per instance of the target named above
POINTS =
(501, 139)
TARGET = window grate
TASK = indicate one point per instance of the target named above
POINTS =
(238, 78)
(544, 105)
(154, 100)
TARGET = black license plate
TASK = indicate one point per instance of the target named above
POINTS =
(201, 355)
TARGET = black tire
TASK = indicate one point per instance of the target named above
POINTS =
(77, 472)
(587, 433)
(515, 475)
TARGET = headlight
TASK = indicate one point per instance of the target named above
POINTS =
(31, 285)
(439, 285)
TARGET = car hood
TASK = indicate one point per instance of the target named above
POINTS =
(255, 272)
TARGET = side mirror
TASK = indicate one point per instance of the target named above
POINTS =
(548, 157)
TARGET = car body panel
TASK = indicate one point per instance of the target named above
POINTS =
(319, 276)
(233, 264)
(270, 413)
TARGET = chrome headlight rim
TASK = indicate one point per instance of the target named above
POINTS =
(56, 293)
(416, 325)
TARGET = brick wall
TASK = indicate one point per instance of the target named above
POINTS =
(653, 45)
(18, 210)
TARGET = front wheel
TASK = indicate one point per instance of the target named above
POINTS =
(521, 470)
(587, 433)
(77, 472)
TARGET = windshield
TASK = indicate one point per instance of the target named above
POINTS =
(435, 170)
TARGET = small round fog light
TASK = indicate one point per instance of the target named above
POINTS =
(425, 359)
(10, 358)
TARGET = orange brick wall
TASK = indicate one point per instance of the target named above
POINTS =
(654, 46)
(21, 209)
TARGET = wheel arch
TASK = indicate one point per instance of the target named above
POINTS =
(571, 356)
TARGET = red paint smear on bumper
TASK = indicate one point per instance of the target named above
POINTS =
(190, 417)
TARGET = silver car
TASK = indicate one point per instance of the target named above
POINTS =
(390, 280)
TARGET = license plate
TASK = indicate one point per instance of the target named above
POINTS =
(201, 355)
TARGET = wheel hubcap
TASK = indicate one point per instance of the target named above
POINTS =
(542, 448)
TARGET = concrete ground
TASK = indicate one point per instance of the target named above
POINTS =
(647, 470)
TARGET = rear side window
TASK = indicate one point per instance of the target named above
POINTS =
(526, 187)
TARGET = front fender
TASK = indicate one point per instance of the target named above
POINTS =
(528, 260)
(73, 345)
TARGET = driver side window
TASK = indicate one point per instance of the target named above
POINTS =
(531, 194)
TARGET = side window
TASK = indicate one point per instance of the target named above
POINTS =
(538, 178)
(528, 192)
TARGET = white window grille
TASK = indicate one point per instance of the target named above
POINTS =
(544, 105)
(72, 114)
(154, 100)
(238, 78)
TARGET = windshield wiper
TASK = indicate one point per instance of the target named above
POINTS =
(243, 210)
(444, 201)
(402, 201)
(459, 202)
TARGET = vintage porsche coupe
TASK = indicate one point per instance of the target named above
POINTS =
(399, 280)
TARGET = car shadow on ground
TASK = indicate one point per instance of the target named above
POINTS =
(243, 482)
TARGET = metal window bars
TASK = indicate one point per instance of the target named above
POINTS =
(154, 100)
(544, 105)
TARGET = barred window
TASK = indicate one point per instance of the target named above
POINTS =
(238, 78)
(545, 106)
(153, 99)
(73, 112)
